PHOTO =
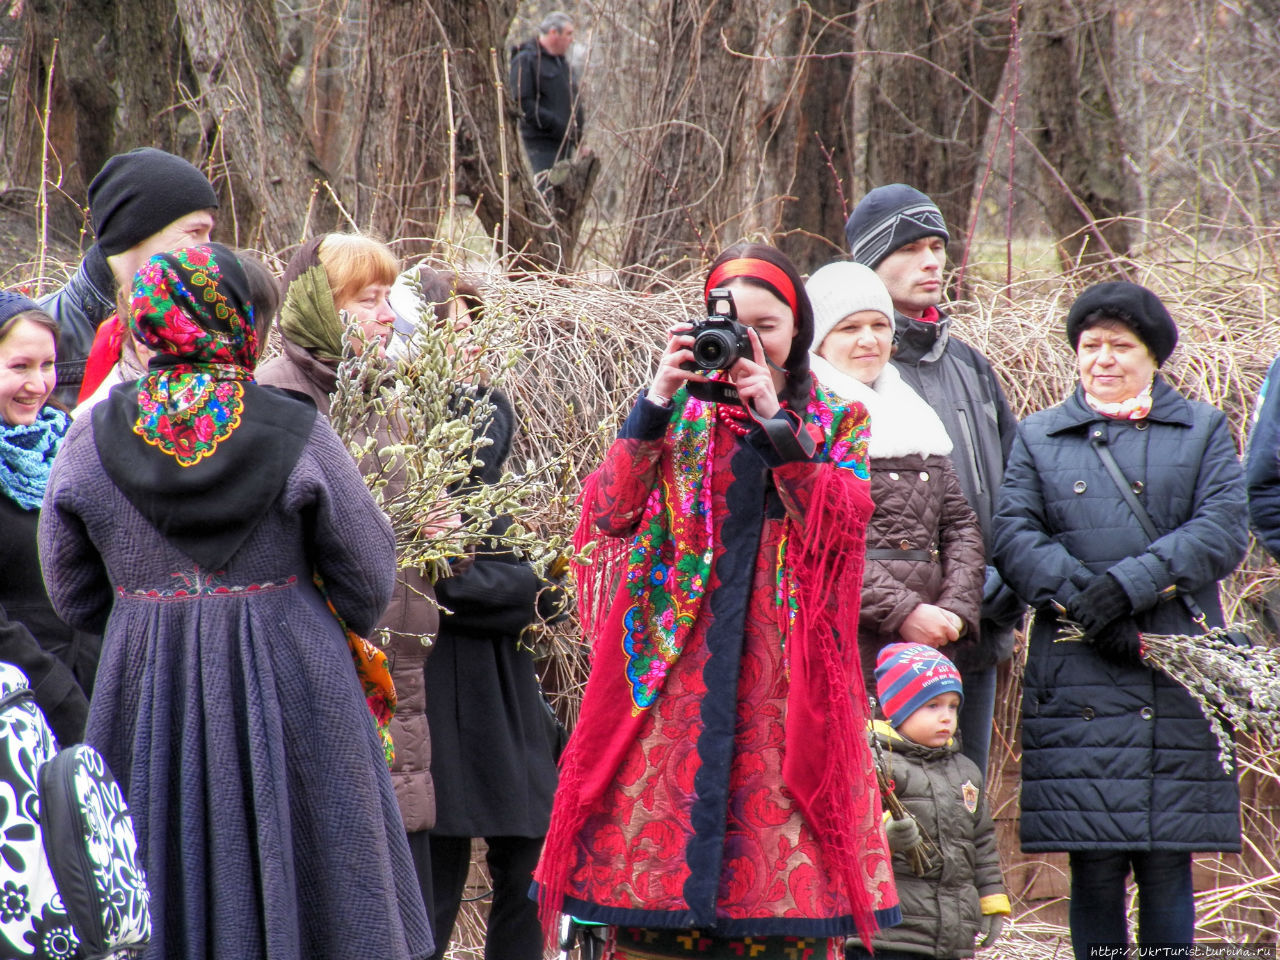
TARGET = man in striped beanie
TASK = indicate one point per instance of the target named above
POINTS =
(899, 233)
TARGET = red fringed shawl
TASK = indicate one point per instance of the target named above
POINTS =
(641, 597)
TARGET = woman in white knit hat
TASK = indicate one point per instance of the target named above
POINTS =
(925, 555)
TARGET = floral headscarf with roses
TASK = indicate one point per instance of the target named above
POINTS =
(192, 307)
(157, 438)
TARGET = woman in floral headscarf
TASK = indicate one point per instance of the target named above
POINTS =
(717, 786)
(187, 516)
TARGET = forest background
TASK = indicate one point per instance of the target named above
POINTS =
(1065, 141)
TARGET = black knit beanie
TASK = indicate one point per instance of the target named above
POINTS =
(1135, 306)
(890, 217)
(141, 192)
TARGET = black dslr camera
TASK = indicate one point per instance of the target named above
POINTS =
(719, 340)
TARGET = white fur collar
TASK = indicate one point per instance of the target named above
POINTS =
(901, 422)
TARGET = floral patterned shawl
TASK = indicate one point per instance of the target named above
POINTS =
(194, 311)
(194, 444)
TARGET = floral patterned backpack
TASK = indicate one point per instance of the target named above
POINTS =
(70, 883)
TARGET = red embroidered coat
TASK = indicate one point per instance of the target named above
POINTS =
(696, 827)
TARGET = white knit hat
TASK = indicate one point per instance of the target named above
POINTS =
(842, 288)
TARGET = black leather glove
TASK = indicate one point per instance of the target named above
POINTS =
(1119, 642)
(1101, 603)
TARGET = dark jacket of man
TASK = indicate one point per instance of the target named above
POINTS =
(547, 89)
(79, 308)
(958, 382)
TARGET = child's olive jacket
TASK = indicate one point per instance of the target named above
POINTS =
(943, 789)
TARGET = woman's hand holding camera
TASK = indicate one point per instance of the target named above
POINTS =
(670, 376)
(754, 380)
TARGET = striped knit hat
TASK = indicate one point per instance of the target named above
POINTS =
(890, 217)
(909, 675)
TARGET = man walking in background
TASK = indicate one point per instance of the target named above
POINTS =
(899, 233)
(547, 88)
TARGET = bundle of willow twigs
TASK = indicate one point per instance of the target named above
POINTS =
(924, 851)
(1237, 686)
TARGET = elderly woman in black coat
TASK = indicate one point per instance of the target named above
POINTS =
(1119, 767)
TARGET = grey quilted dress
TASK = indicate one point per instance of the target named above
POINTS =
(228, 708)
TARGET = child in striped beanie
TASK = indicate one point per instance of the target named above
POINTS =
(909, 678)
(947, 832)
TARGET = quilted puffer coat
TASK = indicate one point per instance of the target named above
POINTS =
(1118, 756)
(924, 544)
(919, 507)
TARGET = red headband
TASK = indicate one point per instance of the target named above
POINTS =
(761, 270)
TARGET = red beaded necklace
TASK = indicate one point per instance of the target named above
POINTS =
(736, 418)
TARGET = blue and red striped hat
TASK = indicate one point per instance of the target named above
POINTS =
(909, 675)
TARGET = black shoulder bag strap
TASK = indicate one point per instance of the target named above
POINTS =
(1098, 440)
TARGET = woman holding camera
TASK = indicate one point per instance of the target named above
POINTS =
(718, 778)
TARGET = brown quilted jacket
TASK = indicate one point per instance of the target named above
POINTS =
(412, 612)
(919, 506)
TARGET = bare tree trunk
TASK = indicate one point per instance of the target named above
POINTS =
(1069, 49)
(149, 63)
(400, 192)
(260, 134)
(927, 120)
(811, 151)
(114, 88)
(323, 55)
(82, 105)
(693, 134)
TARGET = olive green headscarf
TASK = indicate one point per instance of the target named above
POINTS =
(309, 317)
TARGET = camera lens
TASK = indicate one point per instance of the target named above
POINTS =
(713, 350)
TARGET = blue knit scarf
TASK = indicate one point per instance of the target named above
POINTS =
(26, 456)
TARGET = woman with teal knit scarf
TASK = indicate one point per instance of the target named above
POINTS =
(59, 662)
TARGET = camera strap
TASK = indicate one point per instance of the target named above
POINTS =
(789, 444)
(714, 391)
